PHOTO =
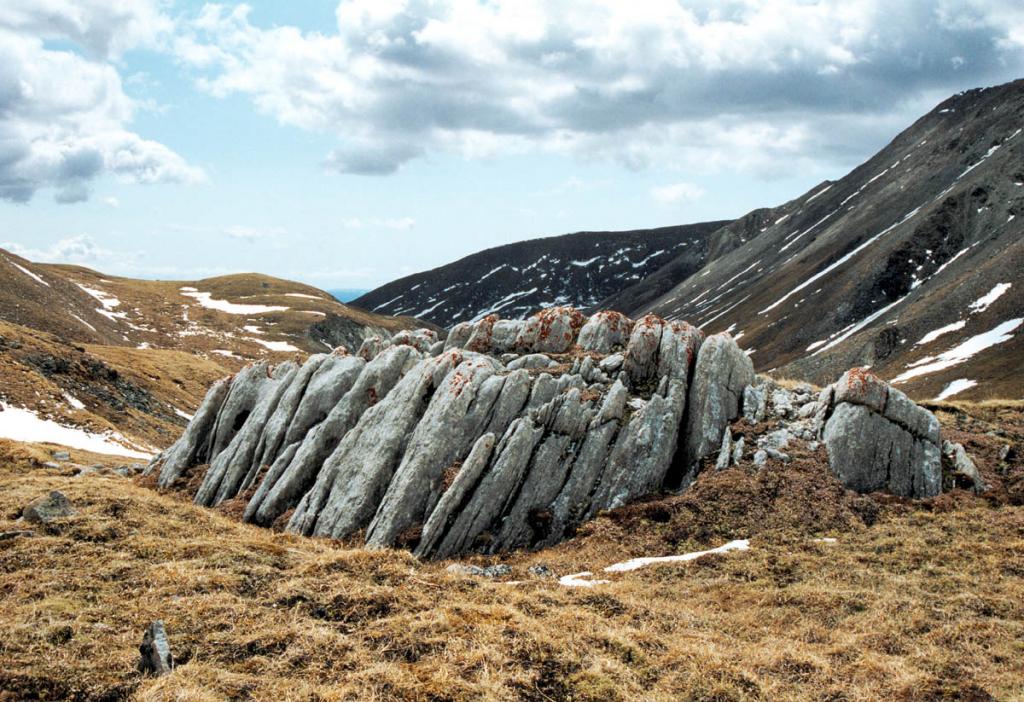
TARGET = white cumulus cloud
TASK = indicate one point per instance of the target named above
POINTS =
(64, 116)
(741, 85)
(677, 193)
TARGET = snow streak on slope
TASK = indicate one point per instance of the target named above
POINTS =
(20, 424)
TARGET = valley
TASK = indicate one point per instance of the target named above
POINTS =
(776, 457)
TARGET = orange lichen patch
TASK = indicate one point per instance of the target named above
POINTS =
(614, 321)
(547, 319)
(649, 321)
(483, 335)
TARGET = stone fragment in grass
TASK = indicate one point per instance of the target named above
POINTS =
(155, 651)
(46, 509)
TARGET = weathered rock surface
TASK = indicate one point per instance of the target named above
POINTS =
(155, 651)
(878, 439)
(510, 434)
(721, 377)
(47, 509)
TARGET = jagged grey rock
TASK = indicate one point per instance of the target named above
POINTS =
(725, 453)
(450, 504)
(553, 330)
(485, 442)
(419, 339)
(193, 446)
(155, 651)
(230, 468)
(963, 467)
(457, 413)
(458, 336)
(737, 450)
(605, 332)
(877, 439)
(755, 401)
(782, 403)
(532, 361)
(295, 472)
(641, 357)
(722, 374)
(356, 476)
(611, 364)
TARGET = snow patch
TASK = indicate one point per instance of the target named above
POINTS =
(21, 424)
(957, 386)
(965, 351)
(73, 401)
(29, 273)
(280, 346)
(984, 302)
(206, 300)
(637, 563)
(936, 333)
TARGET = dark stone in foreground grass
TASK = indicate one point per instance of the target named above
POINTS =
(46, 509)
(155, 651)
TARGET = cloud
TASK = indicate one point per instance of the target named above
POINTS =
(241, 232)
(64, 115)
(396, 223)
(244, 233)
(81, 249)
(678, 193)
(365, 159)
(112, 201)
(731, 85)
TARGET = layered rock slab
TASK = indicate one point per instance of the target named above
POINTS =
(507, 434)
(879, 439)
(511, 434)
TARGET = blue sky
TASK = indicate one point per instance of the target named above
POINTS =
(347, 144)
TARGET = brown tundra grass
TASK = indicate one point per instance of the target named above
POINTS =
(914, 601)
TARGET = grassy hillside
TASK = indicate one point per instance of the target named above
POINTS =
(913, 601)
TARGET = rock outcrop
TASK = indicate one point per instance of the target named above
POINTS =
(878, 439)
(510, 434)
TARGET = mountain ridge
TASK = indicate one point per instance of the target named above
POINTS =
(578, 269)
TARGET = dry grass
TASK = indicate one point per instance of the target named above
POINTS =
(916, 602)
(132, 391)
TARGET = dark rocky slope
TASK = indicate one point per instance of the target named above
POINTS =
(912, 264)
(518, 279)
(512, 433)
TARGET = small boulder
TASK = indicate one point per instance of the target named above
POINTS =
(46, 509)
(541, 571)
(155, 651)
(782, 403)
(964, 470)
(61, 456)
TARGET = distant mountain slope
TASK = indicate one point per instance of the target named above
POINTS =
(133, 358)
(516, 279)
(912, 264)
(246, 315)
